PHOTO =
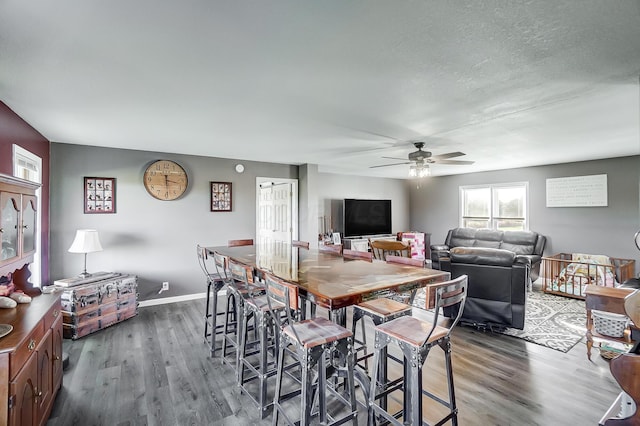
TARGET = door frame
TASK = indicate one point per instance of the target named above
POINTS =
(260, 181)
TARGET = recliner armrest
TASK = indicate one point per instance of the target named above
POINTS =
(439, 247)
(531, 259)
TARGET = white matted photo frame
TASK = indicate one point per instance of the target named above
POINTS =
(99, 195)
(336, 238)
(221, 197)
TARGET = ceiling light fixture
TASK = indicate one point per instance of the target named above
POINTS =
(419, 170)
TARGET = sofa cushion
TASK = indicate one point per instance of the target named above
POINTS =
(482, 256)
(488, 238)
(462, 237)
(519, 242)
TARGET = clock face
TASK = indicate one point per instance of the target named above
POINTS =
(637, 239)
(165, 180)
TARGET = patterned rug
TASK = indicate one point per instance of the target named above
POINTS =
(553, 321)
(556, 322)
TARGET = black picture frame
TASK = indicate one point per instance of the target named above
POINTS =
(221, 197)
(99, 195)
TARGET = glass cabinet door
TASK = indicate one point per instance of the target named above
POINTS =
(28, 224)
(9, 222)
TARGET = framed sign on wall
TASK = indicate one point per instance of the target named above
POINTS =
(221, 200)
(99, 195)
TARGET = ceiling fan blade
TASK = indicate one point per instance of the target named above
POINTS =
(387, 165)
(395, 158)
(454, 162)
(448, 155)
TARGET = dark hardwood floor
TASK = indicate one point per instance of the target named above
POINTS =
(154, 369)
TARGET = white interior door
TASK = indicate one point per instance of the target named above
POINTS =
(277, 225)
(275, 212)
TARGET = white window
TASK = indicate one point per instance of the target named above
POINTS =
(501, 206)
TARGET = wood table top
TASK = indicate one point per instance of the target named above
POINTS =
(330, 280)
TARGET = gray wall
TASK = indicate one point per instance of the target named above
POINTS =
(153, 239)
(594, 230)
(334, 188)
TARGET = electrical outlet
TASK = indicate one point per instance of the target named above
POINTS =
(165, 286)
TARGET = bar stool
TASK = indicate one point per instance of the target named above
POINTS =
(380, 310)
(317, 345)
(215, 282)
(236, 292)
(256, 307)
(415, 338)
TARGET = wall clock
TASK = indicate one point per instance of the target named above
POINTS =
(637, 239)
(165, 180)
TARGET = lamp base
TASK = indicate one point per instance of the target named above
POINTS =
(85, 274)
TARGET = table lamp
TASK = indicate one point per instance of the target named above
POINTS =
(86, 241)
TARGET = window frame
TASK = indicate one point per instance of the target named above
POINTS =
(492, 219)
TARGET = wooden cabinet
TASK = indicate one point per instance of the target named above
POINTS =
(18, 227)
(31, 360)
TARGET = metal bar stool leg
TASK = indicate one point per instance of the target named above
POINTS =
(207, 315)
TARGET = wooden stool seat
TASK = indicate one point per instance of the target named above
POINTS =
(384, 307)
(316, 331)
(413, 331)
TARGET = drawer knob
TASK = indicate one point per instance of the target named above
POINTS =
(56, 358)
(55, 313)
(32, 345)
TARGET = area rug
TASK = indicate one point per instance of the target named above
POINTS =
(556, 322)
(553, 321)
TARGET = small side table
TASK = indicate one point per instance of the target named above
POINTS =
(609, 299)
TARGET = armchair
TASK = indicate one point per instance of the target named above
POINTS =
(497, 286)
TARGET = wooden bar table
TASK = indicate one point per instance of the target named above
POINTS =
(328, 280)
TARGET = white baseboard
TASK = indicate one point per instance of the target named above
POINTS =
(175, 299)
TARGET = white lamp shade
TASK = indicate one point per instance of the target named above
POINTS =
(86, 241)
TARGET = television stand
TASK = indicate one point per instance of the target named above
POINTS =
(362, 243)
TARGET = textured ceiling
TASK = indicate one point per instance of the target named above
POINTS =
(335, 83)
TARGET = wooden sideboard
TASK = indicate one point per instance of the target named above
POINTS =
(31, 361)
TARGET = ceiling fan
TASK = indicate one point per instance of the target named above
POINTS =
(420, 160)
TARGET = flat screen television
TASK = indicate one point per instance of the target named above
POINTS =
(366, 217)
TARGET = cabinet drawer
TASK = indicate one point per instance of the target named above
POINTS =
(53, 314)
(26, 348)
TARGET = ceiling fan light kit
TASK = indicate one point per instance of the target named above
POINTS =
(420, 160)
(419, 170)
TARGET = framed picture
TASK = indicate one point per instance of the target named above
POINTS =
(221, 197)
(99, 195)
(336, 238)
